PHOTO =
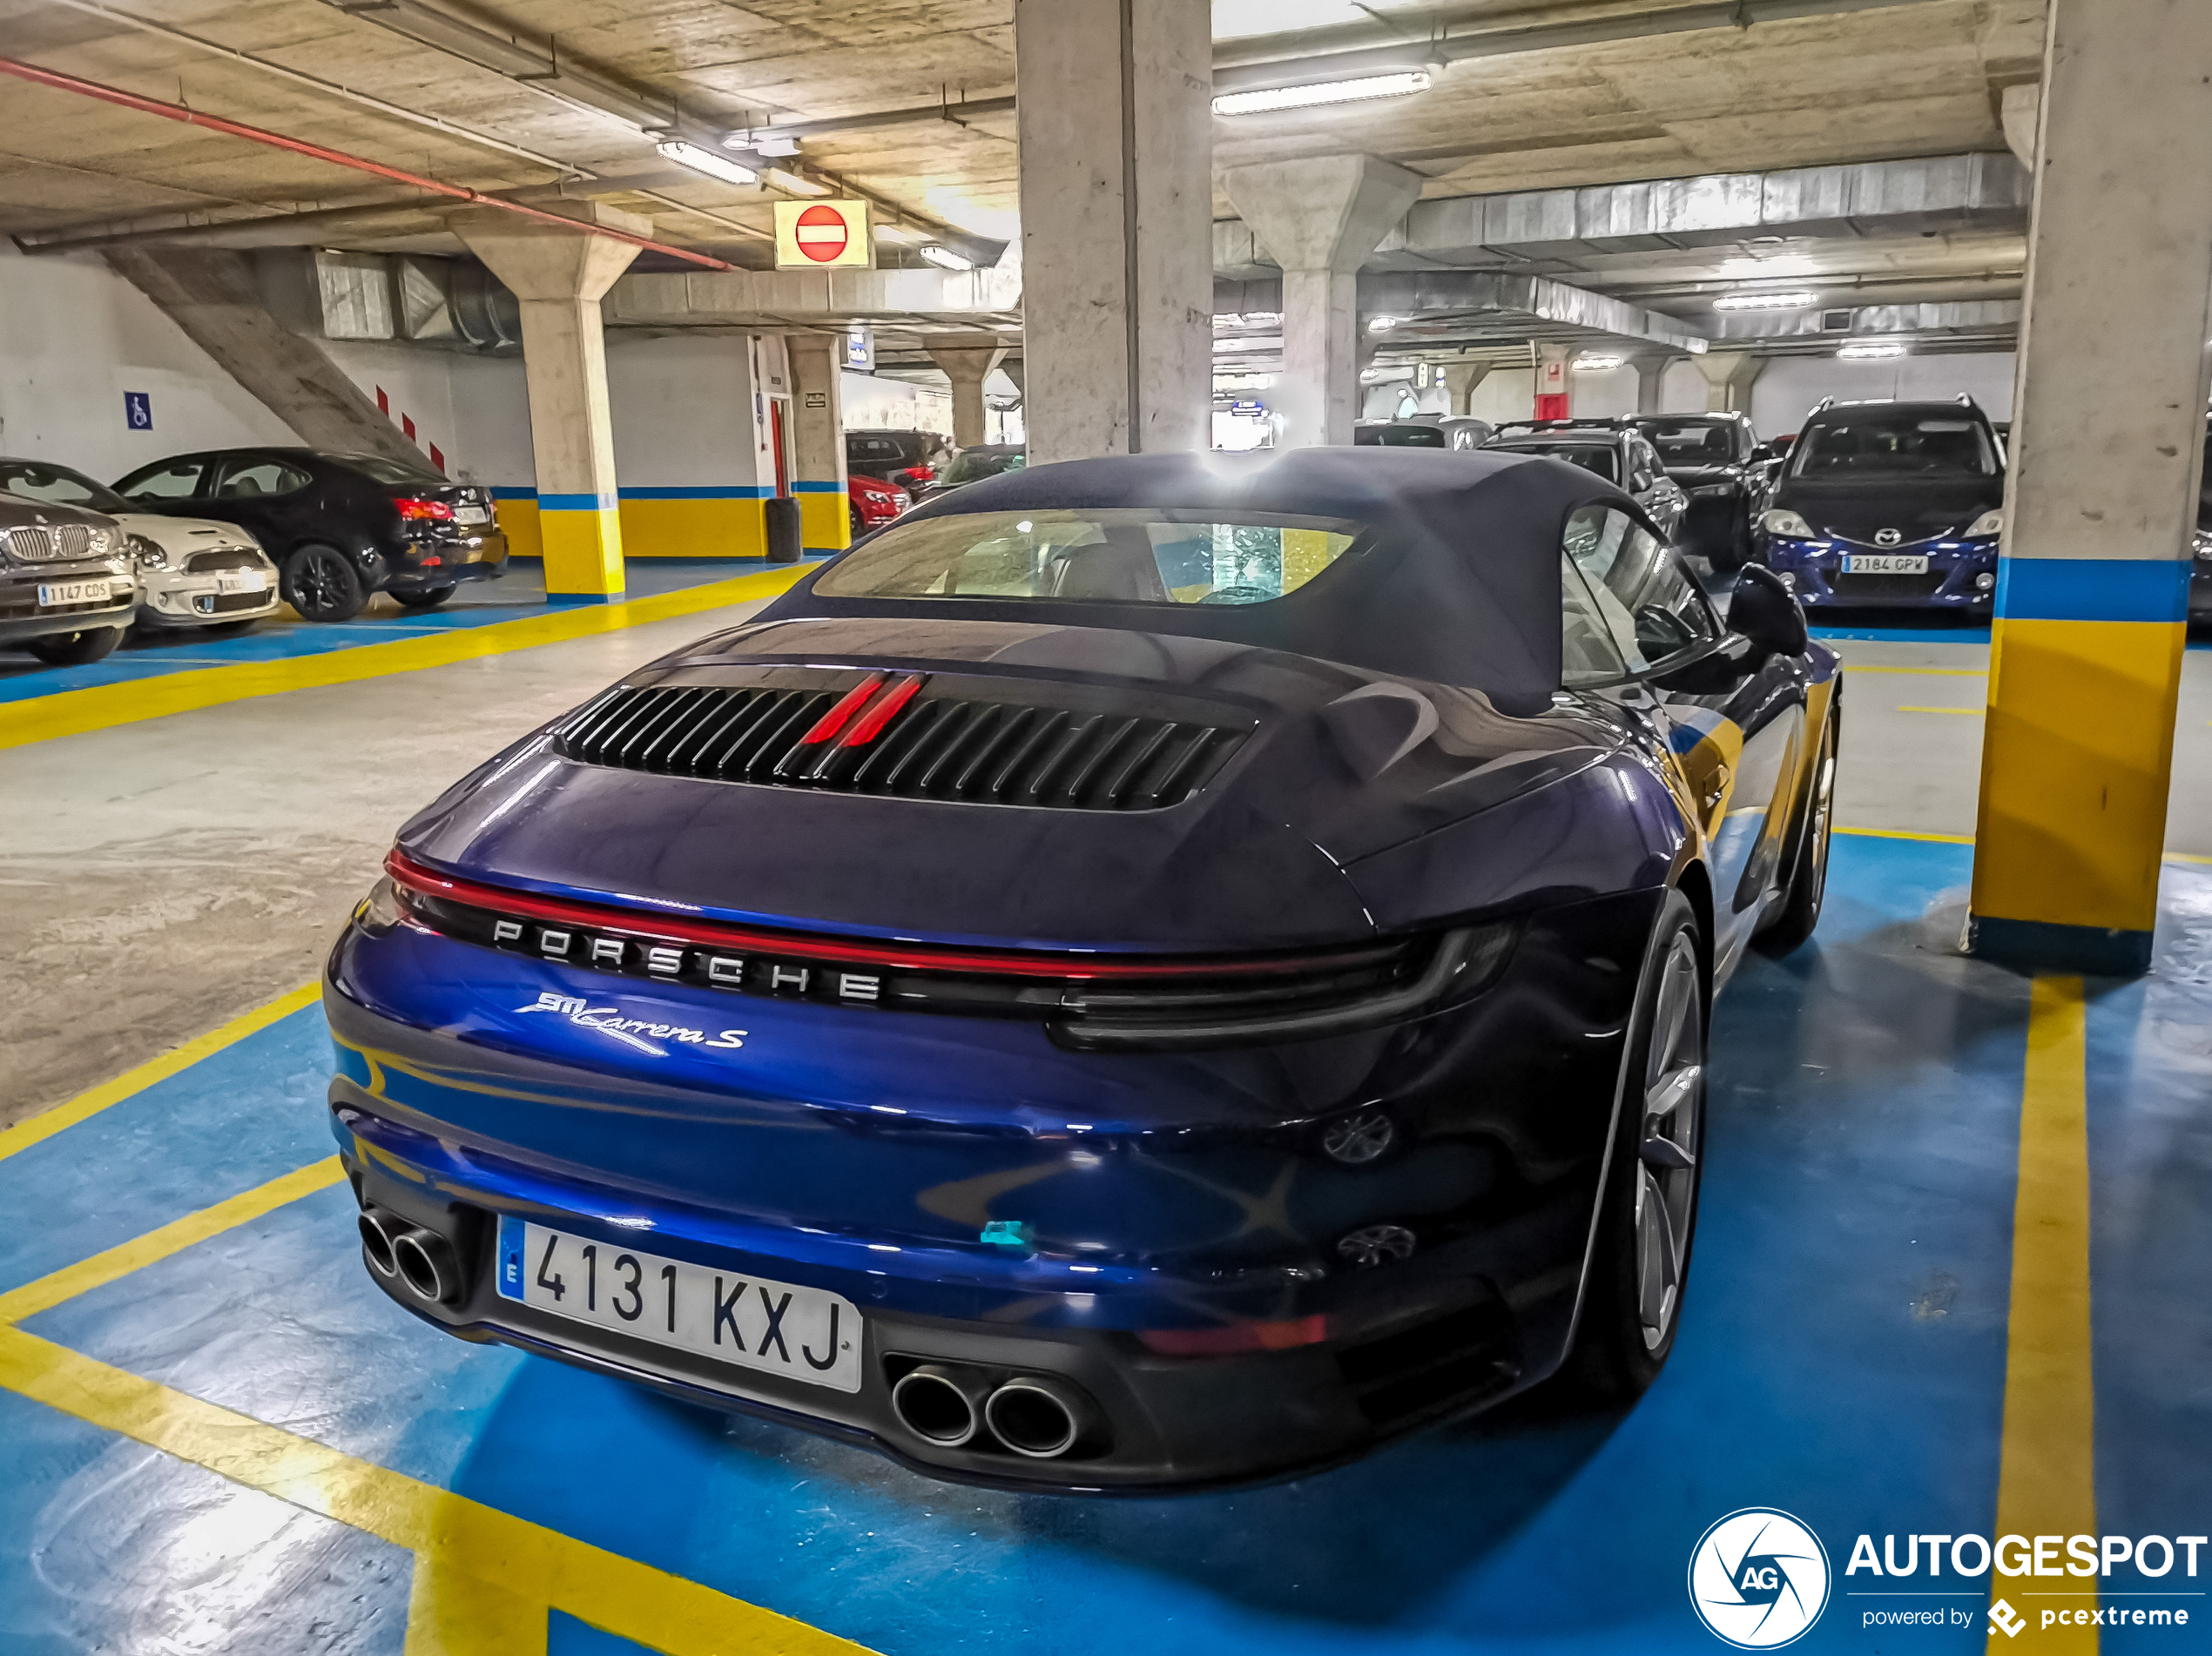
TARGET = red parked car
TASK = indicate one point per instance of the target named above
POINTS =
(875, 502)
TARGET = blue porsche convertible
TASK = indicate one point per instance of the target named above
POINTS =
(1148, 973)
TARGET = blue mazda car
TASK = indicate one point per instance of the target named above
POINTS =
(1889, 505)
(1147, 972)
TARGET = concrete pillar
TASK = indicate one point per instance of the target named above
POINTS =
(967, 360)
(559, 275)
(1651, 378)
(1555, 382)
(1116, 149)
(818, 440)
(1729, 375)
(1459, 382)
(1320, 218)
(2107, 445)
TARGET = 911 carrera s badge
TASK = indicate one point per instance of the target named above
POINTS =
(639, 1033)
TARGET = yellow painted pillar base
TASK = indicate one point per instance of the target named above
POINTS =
(2077, 757)
(583, 540)
(825, 517)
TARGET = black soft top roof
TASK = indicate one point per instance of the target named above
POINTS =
(1456, 579)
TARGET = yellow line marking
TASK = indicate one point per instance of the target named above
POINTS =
(1905, 833)
(2186, 856)
(73, 712)
(1916, 672)
(515, 1560)
(1970, 712)
(2046, 1480)
(171, 1238)
(483, 1579)
(44, 1125)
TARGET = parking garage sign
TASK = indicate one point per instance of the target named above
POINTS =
(823, 235)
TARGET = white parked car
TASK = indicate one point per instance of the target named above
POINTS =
(195, 572)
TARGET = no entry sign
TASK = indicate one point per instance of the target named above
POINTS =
(823, 235)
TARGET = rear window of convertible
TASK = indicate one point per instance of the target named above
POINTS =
(1116, 555)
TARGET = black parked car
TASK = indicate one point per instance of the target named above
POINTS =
(2200, 568)
(1718, 459)
(1895, 504)
(907, 460)
(1614, 450)
(975, 463)
(340, 527)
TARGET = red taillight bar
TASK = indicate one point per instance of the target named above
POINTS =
(920, 957)
(834, 721)
(437, 510)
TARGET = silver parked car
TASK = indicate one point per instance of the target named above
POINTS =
(67, 591)
(194, 571)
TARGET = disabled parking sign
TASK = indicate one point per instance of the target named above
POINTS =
(138, 410)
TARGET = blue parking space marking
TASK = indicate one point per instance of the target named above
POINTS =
(1842, 1359)
(241, 1116)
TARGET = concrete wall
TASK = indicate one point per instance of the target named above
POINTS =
(74, 338)
(1786, 391)
(876, 404)
(473, 411)
(692, 439)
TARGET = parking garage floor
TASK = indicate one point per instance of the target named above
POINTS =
(217, 1435)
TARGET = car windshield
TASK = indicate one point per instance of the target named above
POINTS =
(1603, 459)
(392, 473)
(57, 486)
(1691, 442)
(1113, 555)
(1892, 445)
(1402, 436)
(970, 465)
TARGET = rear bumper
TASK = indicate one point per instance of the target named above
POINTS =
(1168, 1202)
(1442, 1342)
(424, 564)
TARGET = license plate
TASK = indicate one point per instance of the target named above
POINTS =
(248, 581)
(1885, 564)
(73, 592)
(774, 1327)
(472, 514)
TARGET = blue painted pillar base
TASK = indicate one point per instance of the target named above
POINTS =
(2088, 950)
(583, 598)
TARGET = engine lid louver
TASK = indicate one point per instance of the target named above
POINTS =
(913, 736)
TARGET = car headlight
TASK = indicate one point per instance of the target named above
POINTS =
(148, 556)
(902, 500)
(1787, 524)
(1988, 525)
(2202, 542)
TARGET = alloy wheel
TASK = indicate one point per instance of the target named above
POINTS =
(1667, 1172)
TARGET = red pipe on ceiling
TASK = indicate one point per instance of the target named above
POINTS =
(337, 157)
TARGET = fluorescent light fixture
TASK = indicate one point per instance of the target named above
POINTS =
(1382, 324)
(1263, 319)
(794, 184)
(778, 146)
(944, 258)
(1401, 83)
(1870, 351)
(1228, 318)
(715, 166)
(1791, 302)
(1598, 363)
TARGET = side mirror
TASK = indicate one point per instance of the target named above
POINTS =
(1763, 451)
(1765, 610)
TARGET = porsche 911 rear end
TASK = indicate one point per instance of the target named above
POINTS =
(976, 1054)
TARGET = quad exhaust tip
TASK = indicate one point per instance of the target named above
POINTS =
(935, 1403)
(1037, 1416)
(415, 1255)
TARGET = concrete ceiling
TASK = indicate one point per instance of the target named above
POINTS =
(549, 99)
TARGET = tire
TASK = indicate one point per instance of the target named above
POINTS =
(1648, 1219)
(425, 598)
(1795, 916)
(76, 649)
(859, 524)
(1737, 552)
(319, 582)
